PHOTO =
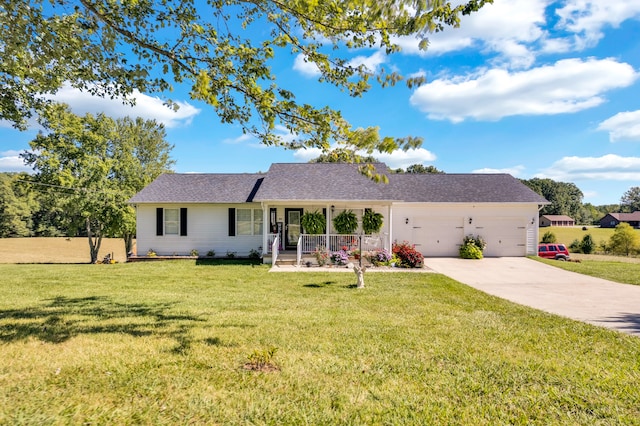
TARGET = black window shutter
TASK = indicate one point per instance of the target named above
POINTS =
(183, 221)
(232, 222)
(159, 221)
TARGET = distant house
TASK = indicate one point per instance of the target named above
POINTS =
(614, 219)
(556, 220)
(245, 213)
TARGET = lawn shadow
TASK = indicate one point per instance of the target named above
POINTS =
(226, 262)
(626, 322)
(62, 318)
(321, 285)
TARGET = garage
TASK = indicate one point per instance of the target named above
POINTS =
(438, 236)
(505, 236)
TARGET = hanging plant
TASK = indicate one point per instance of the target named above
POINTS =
(371, 221)
(345, 222)
(314, 222)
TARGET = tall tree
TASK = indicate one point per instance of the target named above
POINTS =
(630, 200)
(565, 198)
(223, 50)
(419, 169)
(97, 164)
(15, 210)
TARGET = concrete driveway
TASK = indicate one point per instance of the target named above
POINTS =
(531, 283)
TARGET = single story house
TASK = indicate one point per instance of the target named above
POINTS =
(243, 213)
(614, 219)
(556, 220)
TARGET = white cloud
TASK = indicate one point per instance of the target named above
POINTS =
(11, 162)
(394, 160)
(506, 27)
(623, 126)
(513, 171)
(305, 67)
(146, 107)
(371, 63)
(567, 86)
(587, 18)
(607, 167)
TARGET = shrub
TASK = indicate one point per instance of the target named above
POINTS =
(575, 246)
(151, 253)
(470, 251)
(472, 247)
(194, 252)
(211, 253)
(254, 254)
(231, 254)
(587, 246)
(548, 238)
(584, 228)
(321, 255)
(407, 254)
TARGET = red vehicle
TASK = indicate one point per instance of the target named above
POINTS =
(553, 251)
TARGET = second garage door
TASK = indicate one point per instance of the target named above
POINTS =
(505, 236)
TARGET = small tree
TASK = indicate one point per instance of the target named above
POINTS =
(625, 240)
(587, 246)
(548, 238)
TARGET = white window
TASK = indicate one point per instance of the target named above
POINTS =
(249, 221)
(171, 221)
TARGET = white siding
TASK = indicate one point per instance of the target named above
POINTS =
(438, 229)
(207, 229)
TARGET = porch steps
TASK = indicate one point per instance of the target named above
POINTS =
(287, 259)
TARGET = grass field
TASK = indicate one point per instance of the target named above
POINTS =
(168, 343)
(57, 250)
(566, 234)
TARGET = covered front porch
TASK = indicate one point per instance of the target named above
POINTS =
(284, 230)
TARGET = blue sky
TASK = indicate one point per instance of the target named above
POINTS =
(534, 88)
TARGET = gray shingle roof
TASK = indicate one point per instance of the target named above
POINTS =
(320, 182)
(200, 188)
(463, 188)
(335, 182)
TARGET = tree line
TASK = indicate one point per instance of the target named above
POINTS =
(566, 199)
(85, 170)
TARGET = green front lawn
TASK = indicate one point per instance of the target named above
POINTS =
(168, 343)
(618, 271)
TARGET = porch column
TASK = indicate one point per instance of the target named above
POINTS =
(390, 227)
(327, 229)
(266, 229)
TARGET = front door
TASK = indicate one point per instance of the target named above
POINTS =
(292, 227)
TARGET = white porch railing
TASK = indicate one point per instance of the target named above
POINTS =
(274, 250)
(299, 251)
(336, 242)
(270, 239)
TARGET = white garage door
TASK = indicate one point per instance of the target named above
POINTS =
(506, 236)
(438, 236)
